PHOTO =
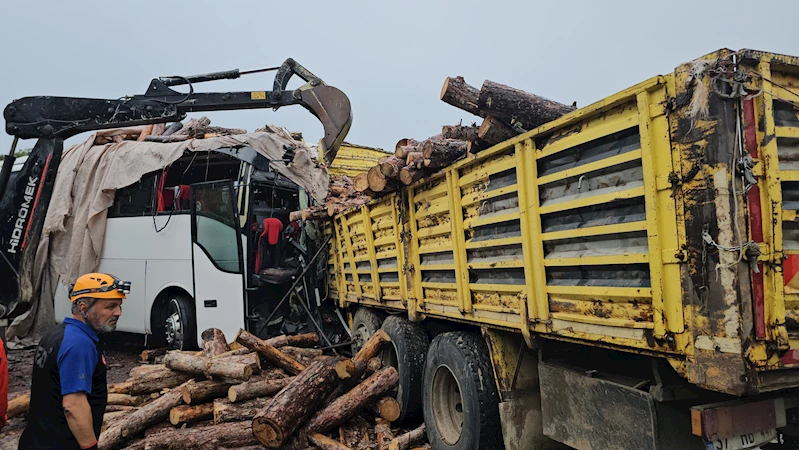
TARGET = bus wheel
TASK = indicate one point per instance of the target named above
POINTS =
(406, 353)
(180, 330)
(461, 403)
(365, 323)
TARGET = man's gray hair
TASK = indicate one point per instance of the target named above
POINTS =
(76, 304)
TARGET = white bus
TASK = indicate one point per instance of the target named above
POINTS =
(206, 243)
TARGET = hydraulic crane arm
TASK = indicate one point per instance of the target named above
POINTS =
(51, 120)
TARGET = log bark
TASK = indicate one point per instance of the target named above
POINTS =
(387, 408)
(166, 139)
(360, 183)
(208, 437)
(442, 152)
(19, 405)
(184, 414)
(147, 370)
(253, 389)
(151, 381)
(295, 403)
(325, 443)
(383, 433)
(191, 125)
(200, 365)
(460, 132)
(195, 392)
(412, 157)
(270, 353)
(309, 214)
(391, 166)
(493, 131)
(410, 174)
(150, 354)
(349, 404)
(125, 399)
(214, 342)
(300, 353)
(241, 350)
(117, 408)
(226, 411)
(459, 94)
(521, 108)
(249, 359)
(405, 441)
(379, 182)
(139, 420)
(340, 191)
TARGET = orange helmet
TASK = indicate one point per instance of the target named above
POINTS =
(98, 285)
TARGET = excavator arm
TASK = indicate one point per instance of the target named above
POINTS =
(51, 120)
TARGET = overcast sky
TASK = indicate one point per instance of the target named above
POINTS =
(390, 58)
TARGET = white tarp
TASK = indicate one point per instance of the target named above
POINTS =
(89, 174)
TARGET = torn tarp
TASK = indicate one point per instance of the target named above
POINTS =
(88, 177)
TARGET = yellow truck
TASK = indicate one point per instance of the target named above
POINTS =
(624, 277)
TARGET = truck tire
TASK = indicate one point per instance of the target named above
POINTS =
(461, 403)
(180, 326)
(365, 323)
(406, 353)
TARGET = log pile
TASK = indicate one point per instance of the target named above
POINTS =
(251, 393)
(343, 195)
(506, 111)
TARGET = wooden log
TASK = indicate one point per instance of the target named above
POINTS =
(405, 441)
(296, 402)
(148, 130)
(149, 355)
(227, 411)
(341, 191)
(139, 420)
(523, 109)
(19, 405)
(147, 370)
(200, 365)
(125, 399)
(380, 183)
(372, 347)
(442, 152)
(253, 389)
(373, 365)
(309, 214)
(391, 166)
(166, 139)
(241, 350)
(307, 353)
(325, 443)
(460, 132)
(185, 414)
(195, 392)
(214, 342)
(249, 359)
(476, 146)
(210, 437)
(459, 94)
(235, 346)
(117, 408)
(383, 433)
(401, 148)
(387, 408)
(360, 183)
(493, 131)
(355, 433)
(191, 125)
(270, 353)
(349, 404)
(410, 174)
(154, 380)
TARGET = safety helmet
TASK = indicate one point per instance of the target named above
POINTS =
(98, 285)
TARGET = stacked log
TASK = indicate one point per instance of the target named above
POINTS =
(345, 193)
(506, 111)
(323, 401)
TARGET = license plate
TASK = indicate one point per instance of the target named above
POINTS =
(743, 441)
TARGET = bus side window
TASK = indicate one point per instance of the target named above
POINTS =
(135, 200)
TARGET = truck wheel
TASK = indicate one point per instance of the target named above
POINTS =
(365, 323)
(406, 353)
(461, 403)
(180, 329)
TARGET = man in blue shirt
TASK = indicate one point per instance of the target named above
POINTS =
(68, 387)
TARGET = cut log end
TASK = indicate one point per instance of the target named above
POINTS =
(267, 433)
(345, 369)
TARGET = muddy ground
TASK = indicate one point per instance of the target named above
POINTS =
(123, 352)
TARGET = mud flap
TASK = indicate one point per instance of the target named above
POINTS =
(589, 413)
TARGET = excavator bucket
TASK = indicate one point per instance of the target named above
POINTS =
(333, 109)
